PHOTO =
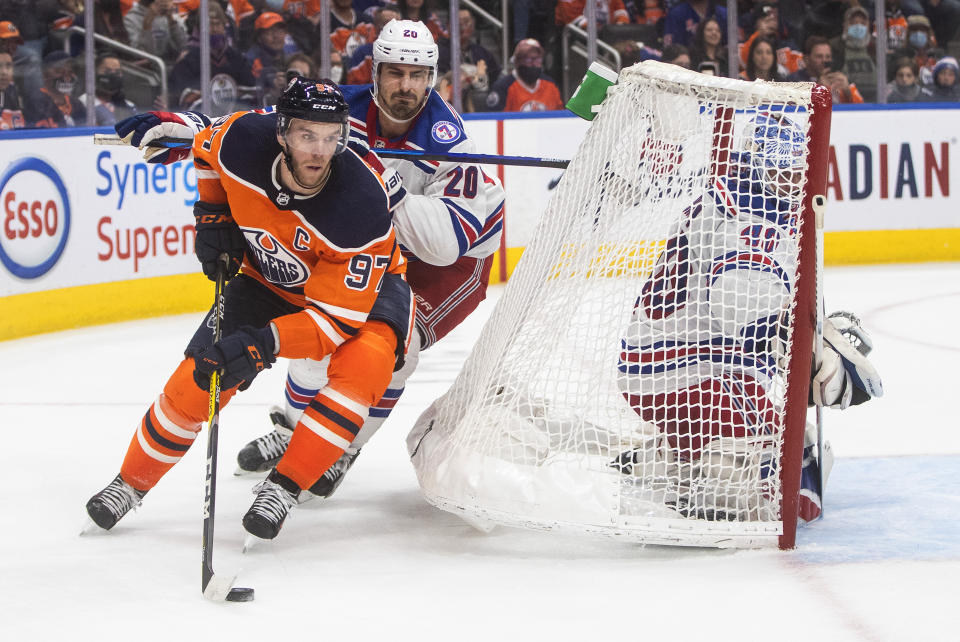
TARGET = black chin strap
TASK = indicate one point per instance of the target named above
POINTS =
(287, 160)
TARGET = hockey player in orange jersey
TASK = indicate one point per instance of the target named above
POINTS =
(315, 271)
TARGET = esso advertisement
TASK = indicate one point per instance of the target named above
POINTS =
(36, 217)
(74, 213)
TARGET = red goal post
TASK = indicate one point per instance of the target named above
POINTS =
(645, 374)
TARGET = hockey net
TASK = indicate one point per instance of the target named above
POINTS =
(645, 372)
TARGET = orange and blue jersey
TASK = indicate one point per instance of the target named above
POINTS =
(325, 253)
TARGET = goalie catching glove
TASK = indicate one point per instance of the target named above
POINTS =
(141, 129)
(240, 356)
(844, 377)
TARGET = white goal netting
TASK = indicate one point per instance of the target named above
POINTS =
(632, 379)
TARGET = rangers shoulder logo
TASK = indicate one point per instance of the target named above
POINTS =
(276, 263)
(445, 131)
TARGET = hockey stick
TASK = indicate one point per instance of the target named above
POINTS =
(819, 207)
(215, 588)
(405, 154)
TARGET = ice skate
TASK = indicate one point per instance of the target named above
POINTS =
(331, 480)
(276, 496)
(113, 502)
(263, 453)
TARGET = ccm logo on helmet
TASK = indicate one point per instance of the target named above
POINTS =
(36, 218)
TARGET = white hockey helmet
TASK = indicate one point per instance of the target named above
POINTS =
(406, 42)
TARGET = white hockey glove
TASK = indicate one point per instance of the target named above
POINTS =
(140, 129)
(844, 377)
(394, 184)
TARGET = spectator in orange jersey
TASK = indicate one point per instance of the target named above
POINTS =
(54, 104)
(609, 12)
(360, 69)
(11, 109)
(348, 29)
(647, 12)
(767, 23)
(527, 88)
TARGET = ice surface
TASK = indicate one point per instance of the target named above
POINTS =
(376, 561)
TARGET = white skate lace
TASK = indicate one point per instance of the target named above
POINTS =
(272, 445)
(119, 498)
(273, 501)
(339, 467)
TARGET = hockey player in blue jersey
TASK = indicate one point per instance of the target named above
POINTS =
(702, 356)
(448, 217)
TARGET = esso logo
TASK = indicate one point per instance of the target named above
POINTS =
(36, 218)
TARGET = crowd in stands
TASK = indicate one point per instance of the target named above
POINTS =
(256, 44)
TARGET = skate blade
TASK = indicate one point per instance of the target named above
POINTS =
(240, 472)
(90, 527)
(250, 542)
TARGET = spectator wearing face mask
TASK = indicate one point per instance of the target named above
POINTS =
(851, 54)
(921, 47)
(944, 15)
(229, 71)
(944, 88)
(54, 105)
(527, 88)
(109, 105)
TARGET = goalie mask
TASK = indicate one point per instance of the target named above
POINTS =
(775, 153)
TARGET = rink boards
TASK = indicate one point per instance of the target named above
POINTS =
(94, 234)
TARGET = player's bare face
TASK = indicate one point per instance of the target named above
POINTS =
(311, 147)
(402, 88)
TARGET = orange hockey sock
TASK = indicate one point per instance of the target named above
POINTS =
(359, 373)
(168, 429)
(324, 431)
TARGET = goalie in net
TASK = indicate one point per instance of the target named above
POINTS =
(703, 354)
(639, 374)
